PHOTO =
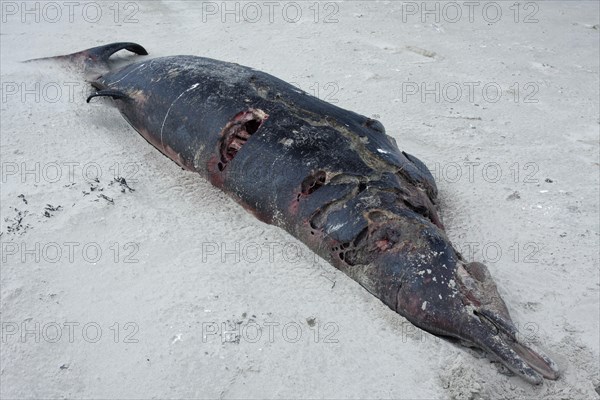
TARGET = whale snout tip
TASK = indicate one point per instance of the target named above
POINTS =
(497, 335)
(474, 314)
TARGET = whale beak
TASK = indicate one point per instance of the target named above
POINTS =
(486, 324)
(473, 314)
(498, 336)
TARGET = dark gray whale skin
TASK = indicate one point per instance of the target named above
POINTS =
(330, 177)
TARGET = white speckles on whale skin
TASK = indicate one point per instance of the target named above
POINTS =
(452, 285)
(287, 142)
(335, 227)
(424, 306)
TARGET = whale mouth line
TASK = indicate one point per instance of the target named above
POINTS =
(237, 132)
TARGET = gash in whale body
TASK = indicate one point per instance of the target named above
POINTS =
(330, 177)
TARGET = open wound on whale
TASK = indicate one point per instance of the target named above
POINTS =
(313, 182)
(237, 132)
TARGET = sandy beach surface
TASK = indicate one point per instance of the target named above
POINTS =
(124, 276)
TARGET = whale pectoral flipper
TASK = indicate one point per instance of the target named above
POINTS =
(115, 94)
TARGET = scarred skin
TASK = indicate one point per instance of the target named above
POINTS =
(330, 177)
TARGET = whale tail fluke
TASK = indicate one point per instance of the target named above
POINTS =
(95, 58)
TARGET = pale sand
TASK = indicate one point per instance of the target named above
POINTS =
(181, 227)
